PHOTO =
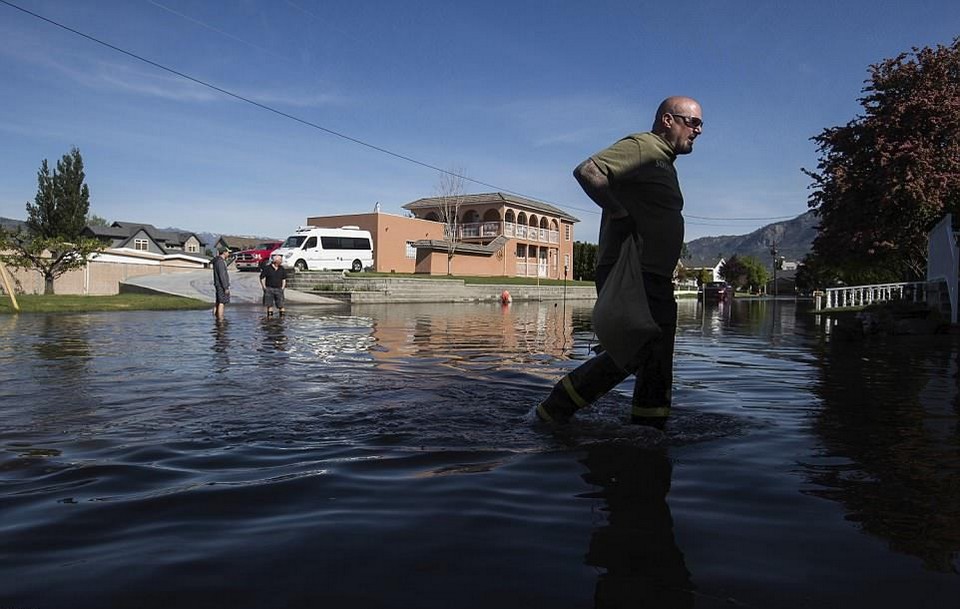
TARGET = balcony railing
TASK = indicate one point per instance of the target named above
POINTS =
(489, 230)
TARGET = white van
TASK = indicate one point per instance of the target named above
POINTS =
(328, 249)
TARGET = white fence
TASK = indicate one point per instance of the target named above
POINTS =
(943, 259)
(863, 295)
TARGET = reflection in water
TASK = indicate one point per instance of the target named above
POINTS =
(65, 340)
(274, 336)
(754, 316)
(221, 345)
(636, 545)
(64, 356)
(889, 425)
(298, 458)
(517, 333)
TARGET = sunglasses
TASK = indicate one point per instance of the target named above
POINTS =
(690, 121)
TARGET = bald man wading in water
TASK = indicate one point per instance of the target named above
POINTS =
(635, 183)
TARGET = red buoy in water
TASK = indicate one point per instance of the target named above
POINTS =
(505, 297)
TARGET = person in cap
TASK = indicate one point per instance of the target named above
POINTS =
(221, 282)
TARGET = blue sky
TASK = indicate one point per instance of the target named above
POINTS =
(515, 93)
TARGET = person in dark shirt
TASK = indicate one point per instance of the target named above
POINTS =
(635, 183)
(221, 282)
(273, 280)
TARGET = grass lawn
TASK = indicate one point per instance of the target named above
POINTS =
(476, 280)
(38, 303)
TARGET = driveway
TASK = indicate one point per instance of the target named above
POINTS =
(244, 287)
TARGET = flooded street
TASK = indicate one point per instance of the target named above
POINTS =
(386, 456)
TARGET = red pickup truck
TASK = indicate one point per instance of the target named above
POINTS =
(254, 258)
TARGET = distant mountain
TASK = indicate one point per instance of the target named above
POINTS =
(793, 239)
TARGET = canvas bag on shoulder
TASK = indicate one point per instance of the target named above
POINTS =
(621, 316)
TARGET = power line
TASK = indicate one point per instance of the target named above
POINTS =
(284, 114)
(218, 31)
(740, 219)
(321, 127)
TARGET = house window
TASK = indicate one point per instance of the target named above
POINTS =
(141, 244)
(411, 251)
(566, 264)
(193, 248)
(566, 231)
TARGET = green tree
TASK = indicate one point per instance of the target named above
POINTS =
(814, 274)
(887, 176)
(60, 208)
(744, 272)
(584, 261)
(95, 220)
(53, 243)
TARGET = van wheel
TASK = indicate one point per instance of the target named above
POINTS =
(357, 266)
(300, 265)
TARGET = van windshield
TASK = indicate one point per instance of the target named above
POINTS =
(294, 241)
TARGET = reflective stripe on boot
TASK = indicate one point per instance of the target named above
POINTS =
(652, 417)
(561, 404)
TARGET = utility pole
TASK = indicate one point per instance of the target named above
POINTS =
(773, 252)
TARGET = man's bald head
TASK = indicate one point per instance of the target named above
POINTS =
(679, 121)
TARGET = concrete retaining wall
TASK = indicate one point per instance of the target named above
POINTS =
(410, 289)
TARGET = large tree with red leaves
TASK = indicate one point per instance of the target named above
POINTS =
(887, 176)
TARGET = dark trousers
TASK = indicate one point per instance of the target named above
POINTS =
(598, 375)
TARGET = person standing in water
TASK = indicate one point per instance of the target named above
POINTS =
(635, 183)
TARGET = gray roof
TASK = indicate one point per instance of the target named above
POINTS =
(495, 198)
(126, 231)
(114, 232)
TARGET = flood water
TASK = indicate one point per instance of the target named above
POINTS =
(386, 456)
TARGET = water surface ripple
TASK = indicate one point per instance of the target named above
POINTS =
(386, 456)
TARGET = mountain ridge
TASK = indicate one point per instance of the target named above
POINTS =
(793, 238)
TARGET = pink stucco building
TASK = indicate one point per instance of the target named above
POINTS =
(499, 235)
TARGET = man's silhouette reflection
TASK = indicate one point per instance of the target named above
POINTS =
(636, 546)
